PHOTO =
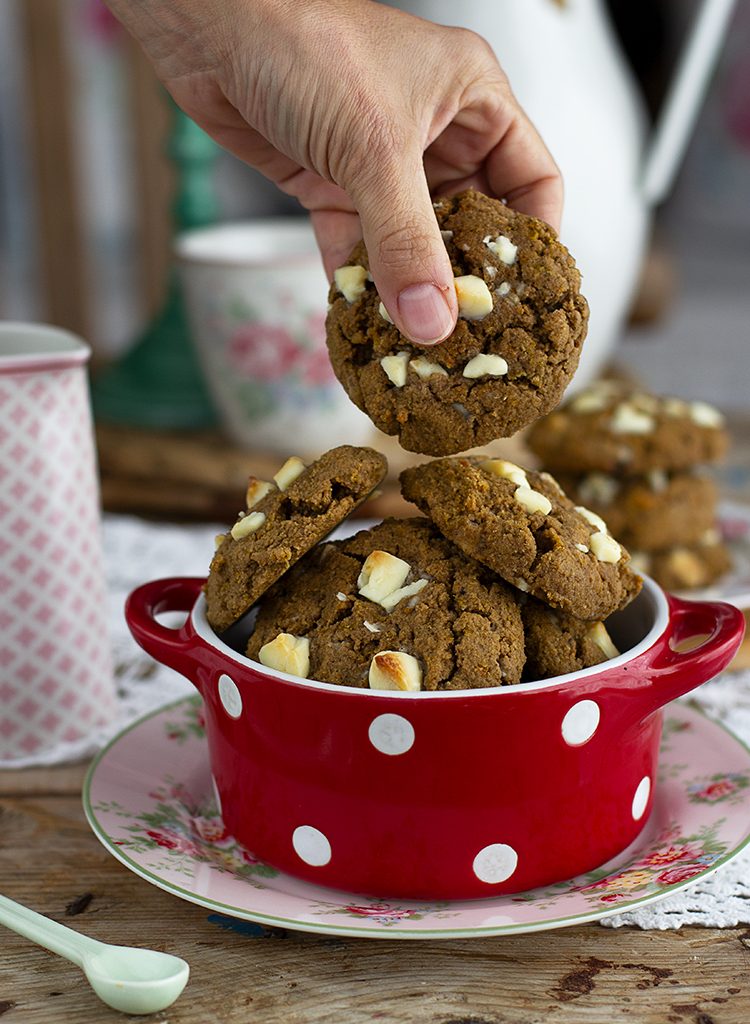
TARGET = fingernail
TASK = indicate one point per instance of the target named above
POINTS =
(424, 313)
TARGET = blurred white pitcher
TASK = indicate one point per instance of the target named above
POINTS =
(56, 682)
(565, 66)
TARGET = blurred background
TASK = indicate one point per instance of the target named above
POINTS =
(92, 159)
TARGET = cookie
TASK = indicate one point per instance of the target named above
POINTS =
(687, 567)
(611, 428)
(522, 321)
(394, 607)
(521, 525)
(658, 510)
(557, 643)
(284, 519)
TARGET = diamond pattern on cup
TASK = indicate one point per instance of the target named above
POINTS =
(55, 667)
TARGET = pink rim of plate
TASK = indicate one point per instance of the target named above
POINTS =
(47, 348)
(140, 767)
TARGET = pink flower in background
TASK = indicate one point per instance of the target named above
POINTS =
(162, 840)
(210, 830)
(679, 874)
(317, 368)
(715, 790)
(669, 856)
(262, 351)
(378, 911)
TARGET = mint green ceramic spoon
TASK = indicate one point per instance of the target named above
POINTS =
(127, 979)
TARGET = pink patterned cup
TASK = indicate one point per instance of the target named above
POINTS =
(56, 682)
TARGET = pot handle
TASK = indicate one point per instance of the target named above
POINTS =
(676, 667)
(177, 648)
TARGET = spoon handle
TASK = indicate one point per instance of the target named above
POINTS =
(53, 936)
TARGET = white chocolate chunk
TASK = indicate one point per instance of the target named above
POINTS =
(381, 575)
(395, 670)
(484, 365)
(592, 518)
(391, 600)
(508, 470)
(287, 653)
(675, 407)
(474, 297)
(687, 567)
(598, 488)
(502, 289)
(256, 491)
(626, 419)
(590, 400)
(599, 635)
(289, 472)
(424, 368)
(341, 596)
(583, 548)
(640, 562)
(491, 272)
(371, 626)
(219, 540)
(521, 585)
(446, 235)
(551, 482)
(350, 281)
(644, 402)
(248, 524)
(384, 313)
(395, 368)
(657, 480)
(532, 501)
(503, 248)
(705, 415)
(605, 547)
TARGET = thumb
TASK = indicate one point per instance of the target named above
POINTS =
(408, 260)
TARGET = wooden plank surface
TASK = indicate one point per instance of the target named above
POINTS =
(241, 972)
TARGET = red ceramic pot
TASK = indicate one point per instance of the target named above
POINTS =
(445, 795)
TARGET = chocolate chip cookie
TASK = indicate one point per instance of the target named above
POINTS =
(521, 525)
(522, 321)
(686, 566)
(611, 428)
(284, 519)
(395, 607)
(650, 512)
(557, 643)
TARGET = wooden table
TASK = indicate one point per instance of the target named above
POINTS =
(50, 860)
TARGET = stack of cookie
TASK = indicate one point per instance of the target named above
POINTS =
(638, 461)
(505, 581)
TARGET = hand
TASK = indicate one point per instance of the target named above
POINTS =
(359, 111)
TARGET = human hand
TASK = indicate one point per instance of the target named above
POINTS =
(359, 111)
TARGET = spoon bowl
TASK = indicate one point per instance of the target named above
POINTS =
(135, 980)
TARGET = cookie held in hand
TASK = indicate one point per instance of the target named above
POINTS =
(521, 325)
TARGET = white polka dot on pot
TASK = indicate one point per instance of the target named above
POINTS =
(391, 734)
(495, 863)
(229, 696)
(311, 846)
(581, 722)
(640, 798)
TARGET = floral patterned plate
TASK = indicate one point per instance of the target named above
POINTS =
(150, 800)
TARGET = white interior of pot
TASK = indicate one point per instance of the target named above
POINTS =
(633, 630)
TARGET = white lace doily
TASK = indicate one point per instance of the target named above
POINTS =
(136, 551)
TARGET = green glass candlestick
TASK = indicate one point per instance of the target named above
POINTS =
(158, 382)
